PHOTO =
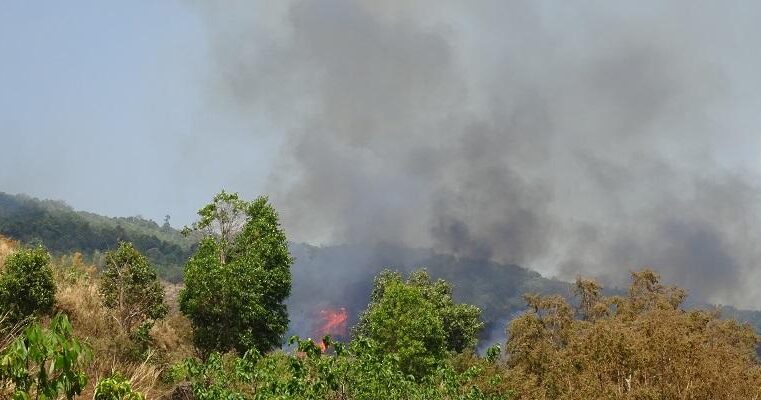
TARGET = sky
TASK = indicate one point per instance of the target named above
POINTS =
(101, 104)
(578, 137)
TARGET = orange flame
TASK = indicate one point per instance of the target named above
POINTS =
(333, 324)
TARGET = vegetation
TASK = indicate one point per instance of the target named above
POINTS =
(44, 363)
(63, 231)
(358, 372)
(26, 285)
(418, 321)
(94, 326)
(413, 342)
(348, 271)
(641, 346)
(130, 287)
(116, 387)
(237, 281)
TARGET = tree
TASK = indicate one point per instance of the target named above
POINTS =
(27, 287)
(130, 287)
(238, 279)
(222, 219)
(461, 322)
(418, 320)
(642, 346)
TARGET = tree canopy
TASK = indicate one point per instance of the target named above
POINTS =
(641, 346)
(238, 279)
(129, 286)
(418, 320)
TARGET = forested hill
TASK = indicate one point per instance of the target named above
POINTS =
(323, 277)
(63, 230)
(335, 277)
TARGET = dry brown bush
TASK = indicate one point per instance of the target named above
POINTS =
(173, 338)
(643, 346)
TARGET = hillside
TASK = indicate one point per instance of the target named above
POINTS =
(63, 230)
(324, 278)
(553, 352)
(332, 277)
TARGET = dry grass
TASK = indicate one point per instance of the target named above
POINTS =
(173, 338)
(171, 296)
(78, 297)
(143, 376)
(8, 332)
(7, 246)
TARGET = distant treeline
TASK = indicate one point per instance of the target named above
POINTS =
(63, 230)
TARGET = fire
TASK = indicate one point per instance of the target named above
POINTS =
(333, 324)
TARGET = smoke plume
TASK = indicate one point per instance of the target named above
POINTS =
(568, 137)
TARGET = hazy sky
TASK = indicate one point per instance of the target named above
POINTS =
(101, 106)
(572, 137)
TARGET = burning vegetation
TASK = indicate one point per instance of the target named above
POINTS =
(332, 323)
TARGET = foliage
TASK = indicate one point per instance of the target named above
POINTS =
(44, 363)
(405, 323)
(418, 320)
(361, 371)
(642, 346)
(63, 230)
(27, 287)
(222, 219)
(116, 387)
(237, 281)
(114, 351)
(130, 287)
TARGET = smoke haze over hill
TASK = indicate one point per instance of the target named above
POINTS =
(572, 138)
(578, 138)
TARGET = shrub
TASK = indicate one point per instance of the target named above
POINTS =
(116, 387)
(131, 288)
(634, 347)
(27, 287)
(418, 320)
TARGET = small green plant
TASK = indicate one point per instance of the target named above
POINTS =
(116, 387)
(45, 363)
(493, 353)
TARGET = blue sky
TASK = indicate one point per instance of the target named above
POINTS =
(100, 104)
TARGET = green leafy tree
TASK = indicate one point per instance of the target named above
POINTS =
(237, 281)
(130, 287)
(461, 322)
(27, 287)
(45, 363)
(222, 219)
(405, 323)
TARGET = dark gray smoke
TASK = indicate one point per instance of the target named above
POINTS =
(569, 137)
